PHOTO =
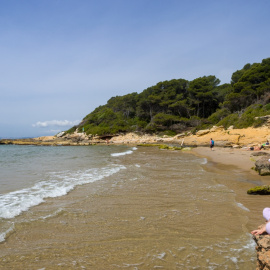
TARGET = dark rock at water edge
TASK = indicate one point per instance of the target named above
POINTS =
(259, 190)
(263, 166)
(261, 154)
(263, 251)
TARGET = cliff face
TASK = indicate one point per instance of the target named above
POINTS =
(263, 251)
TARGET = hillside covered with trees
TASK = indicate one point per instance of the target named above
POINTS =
(178, 105)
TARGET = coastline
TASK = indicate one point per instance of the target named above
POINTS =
(231, 145)
(243, 159)
(236, 138)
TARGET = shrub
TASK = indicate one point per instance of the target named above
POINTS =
(71, 130)
(167, 133)
(228, 120)
(218, 115)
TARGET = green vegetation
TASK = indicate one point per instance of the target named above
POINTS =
(161, 146)
(149, 145)
(167, 147)
(261, 190)
(246, 118)
(178, 105)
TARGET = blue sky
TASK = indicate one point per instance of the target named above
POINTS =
(61, 59)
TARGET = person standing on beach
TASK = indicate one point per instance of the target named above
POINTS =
(212, 144)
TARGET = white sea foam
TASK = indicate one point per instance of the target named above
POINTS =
(250, 244)
(242, 206)
(3, 234)
(58, 184)
(161, 255)
(234, 259)
(134, 148)
(53, 214)
(122, 153)
(204, 161)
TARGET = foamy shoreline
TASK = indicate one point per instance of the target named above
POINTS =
(231, 145)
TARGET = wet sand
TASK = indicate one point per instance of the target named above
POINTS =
(240, 158)
(242, 162)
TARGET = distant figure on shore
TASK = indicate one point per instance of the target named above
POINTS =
(266, 227)
(255, 148)
(212, 143)
(263, 145)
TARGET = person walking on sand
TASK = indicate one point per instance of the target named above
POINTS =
(212, 144)
(266, 227)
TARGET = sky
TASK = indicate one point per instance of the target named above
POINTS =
(60, 59)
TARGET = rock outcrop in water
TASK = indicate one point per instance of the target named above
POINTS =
(263, 251)
(263, 165)
(259, 190)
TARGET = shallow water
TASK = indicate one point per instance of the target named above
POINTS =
(120, 207)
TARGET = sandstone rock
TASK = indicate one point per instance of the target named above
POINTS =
(263, 166)
(222, 138)
(60, 134)
(216, 128)
(179, 136)
(263, 251)
(202, 132)
(236, 146)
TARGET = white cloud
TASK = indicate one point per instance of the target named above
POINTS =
(60, 123)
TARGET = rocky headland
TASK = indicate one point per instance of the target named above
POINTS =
(236, 138)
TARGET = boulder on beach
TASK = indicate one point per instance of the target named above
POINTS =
(263, 165)
(202, 132)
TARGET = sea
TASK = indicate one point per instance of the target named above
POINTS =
(124, 207)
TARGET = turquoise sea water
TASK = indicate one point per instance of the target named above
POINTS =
(195, 215)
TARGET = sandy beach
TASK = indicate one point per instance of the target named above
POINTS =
(241, 158)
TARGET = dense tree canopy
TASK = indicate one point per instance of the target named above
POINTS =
(250, 85)
(179, 105)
